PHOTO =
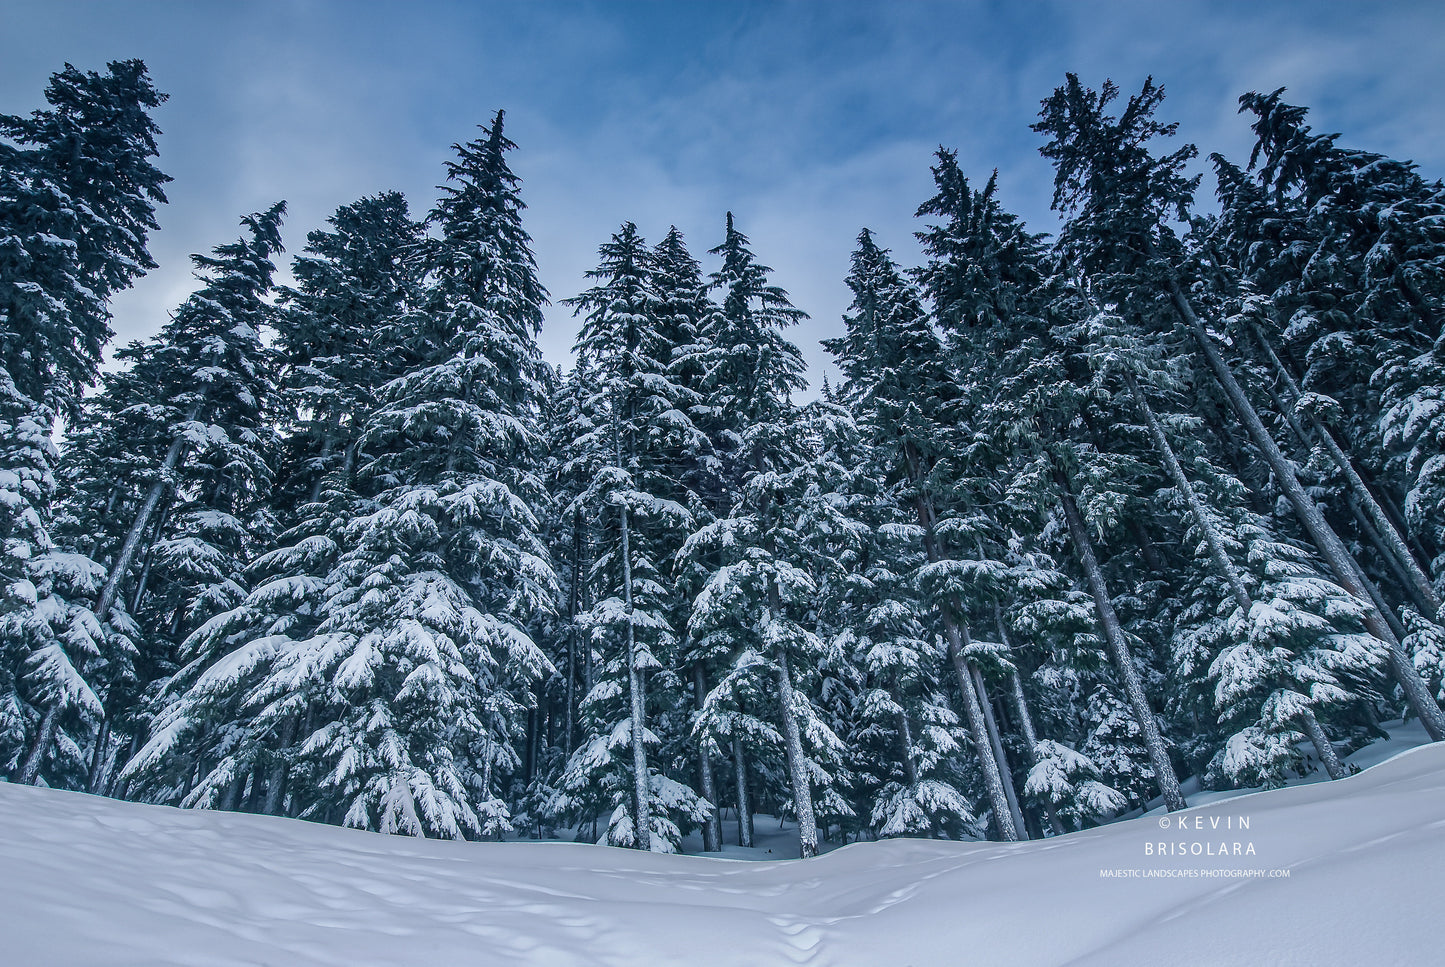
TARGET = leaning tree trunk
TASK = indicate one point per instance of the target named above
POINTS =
(953, 635)
(1119, 649)
(1371, 587)
(132, 538)
(978, 731)
(712, 826)
(44, 739)
(1026, 719)
(995, 741)
(797, 764)
(1386, 537)
(1322, 745)
(1327, 542)
(1223, 566)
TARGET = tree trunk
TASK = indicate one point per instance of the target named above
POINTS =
(712, 826)
(327, 444)
(973, 713)
(641, 791)
(149, 558)
(797, 766)
(745, 809)
(1322, 746)
(1392, 563)
(1119, 649)
(276, 780)
(1223, 566)
(573, 601)
(905, 744)
(230, 800)
(978, 732)
(44, 739)
(253, 792)
(132, 538)
(995, 741)
(98, 757)
(1417, 583)
(1336, 555)
(117, 787)
(1026, 719)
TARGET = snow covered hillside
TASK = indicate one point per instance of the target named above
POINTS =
(99, 882)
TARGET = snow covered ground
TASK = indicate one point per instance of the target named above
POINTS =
(89, 881)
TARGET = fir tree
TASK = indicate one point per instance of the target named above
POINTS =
(636, 429)
(758, 586)
(77, 197)
(1122, 199)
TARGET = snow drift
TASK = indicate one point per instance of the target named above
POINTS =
(1339, 873)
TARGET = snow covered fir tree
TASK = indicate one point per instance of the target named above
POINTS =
(1084, 523)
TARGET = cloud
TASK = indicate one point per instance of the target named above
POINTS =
(807, 120)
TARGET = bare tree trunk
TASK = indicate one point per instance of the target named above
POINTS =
(44, 739)
(1346, 570)
(276, 780)
(1417, 582)
(132, 538)
(745, 809)
(978, 731)
(1119, 649)
(953, 636)
(712, 826)
(996, 743)
(797, 766)
(641, 791)
(1223, 566)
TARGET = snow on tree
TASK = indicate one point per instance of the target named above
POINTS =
(1070, 781)
(758, 585)
(77, 202)
(635, 428)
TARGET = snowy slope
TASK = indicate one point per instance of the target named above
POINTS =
(89, 881)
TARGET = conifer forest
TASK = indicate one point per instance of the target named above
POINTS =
(1152, 503)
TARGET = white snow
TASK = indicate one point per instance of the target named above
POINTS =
(97, 882)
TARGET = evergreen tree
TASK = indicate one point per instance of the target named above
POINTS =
(895, 377)
(637, 427)
(412, 686)
(352, 282)
(758, 587)
(77, 197)
(197, 443)
(1122, 200)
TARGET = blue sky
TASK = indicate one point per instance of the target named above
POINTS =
(807, 120)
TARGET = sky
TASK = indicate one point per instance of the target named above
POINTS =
(809, 121)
